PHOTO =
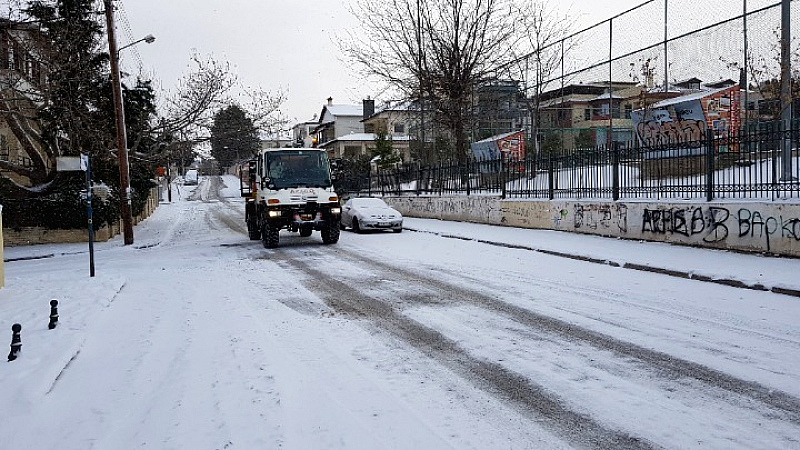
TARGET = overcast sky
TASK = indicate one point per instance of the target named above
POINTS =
(274, 44)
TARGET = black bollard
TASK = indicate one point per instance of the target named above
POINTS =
(16, 341)
(53, 314)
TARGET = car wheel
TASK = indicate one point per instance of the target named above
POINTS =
(356, 226)
(341, 225)
(398, 230)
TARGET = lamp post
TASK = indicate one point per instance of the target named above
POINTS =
(149, 39)
(119, 110)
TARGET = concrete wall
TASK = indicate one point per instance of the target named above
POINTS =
(763, 227)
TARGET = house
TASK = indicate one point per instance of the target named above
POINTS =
(394, 120)
(275, 141)
(21, 75)
(582, 114)
(302, 133)
(498, 107)
(336, 121)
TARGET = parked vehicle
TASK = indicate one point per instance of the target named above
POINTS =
(367, 213)
(191, 177)
(290, 189)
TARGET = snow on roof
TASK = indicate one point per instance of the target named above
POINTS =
(368, 137)
(362, 137)
(688, 97)
(345, 110)
(497, 137)
(606, 96)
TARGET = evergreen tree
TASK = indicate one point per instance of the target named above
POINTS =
(384, 150)
(233, 136)
(75, 112)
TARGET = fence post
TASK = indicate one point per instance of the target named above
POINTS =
(467, 176)
(709, 165)
(503, 178)
(615, 173)
(397, 178)
(550, 186)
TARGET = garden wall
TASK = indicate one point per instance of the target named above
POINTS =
(763, 227)
(39, 235)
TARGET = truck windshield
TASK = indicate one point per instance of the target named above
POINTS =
(297, 168)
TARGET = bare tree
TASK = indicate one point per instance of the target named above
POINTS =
(547, 37)
(438, 51)
(188, 113)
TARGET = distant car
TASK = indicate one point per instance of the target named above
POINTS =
(367, 213)
(191, 177)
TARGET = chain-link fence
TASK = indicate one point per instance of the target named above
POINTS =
(582, 89)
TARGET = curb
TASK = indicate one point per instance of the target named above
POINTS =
(631, 266)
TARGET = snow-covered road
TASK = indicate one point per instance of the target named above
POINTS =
(197, 338)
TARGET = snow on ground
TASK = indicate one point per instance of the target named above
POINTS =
(195, 337)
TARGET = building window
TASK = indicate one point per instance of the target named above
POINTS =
(587, 114)
(628, 110)
(4, 153)
(399, 128)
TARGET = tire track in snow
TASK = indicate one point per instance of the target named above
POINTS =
(497, 379)
(670, 365)
(491, 377)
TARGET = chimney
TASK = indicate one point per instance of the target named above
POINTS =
(330, 101)
(369, 107)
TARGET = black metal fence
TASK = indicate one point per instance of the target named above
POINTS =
(763, 165)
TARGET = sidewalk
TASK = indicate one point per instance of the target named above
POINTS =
(749, 271)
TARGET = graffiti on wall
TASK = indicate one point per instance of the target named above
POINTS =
(601, 217)
(708, 223)
(458, 208)
(754, 224)
(714, 224)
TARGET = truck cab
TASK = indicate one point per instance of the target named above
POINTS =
(291, 189)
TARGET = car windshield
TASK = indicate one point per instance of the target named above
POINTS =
(297, 168)
(369, 203)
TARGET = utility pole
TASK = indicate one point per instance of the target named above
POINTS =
(122, 139)
(786, 90)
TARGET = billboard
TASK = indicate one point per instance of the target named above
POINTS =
(683, 122)
(511, 146)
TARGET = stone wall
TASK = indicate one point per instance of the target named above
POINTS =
(38, 235)
(763, 227)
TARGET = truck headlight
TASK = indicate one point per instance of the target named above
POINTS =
(336, 210)
(274, 213)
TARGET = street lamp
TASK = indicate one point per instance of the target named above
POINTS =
(119, 110)
(149, 39)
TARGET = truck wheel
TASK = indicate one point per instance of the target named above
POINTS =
(270, 236)
(253, 231)
(330, 234)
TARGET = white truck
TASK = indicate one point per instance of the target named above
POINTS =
(291, 189)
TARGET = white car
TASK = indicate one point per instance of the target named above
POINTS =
(367, 213)
(191, 177)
